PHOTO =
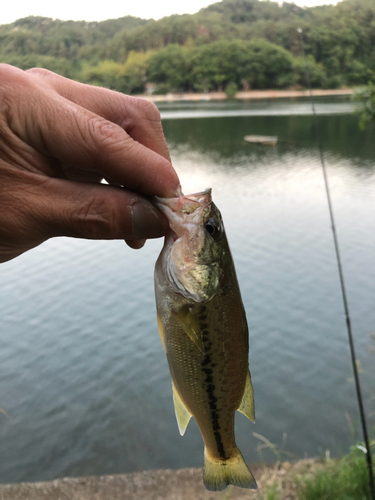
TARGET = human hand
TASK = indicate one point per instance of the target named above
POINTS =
(58, 140)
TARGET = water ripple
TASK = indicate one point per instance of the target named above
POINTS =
(83, 376)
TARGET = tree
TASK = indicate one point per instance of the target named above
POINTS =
(247, 42)
(318, 76)
(58, 65)
(128, 77)
(365, 100)
(135, 70)
(170, 65)
(107, 73)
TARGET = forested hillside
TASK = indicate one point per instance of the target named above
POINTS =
(244, 43)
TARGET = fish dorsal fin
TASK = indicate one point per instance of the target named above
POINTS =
(182, 413)
(161, 331)
(191, 327)
(247, 403)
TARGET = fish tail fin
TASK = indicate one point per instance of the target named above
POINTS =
(218, 474)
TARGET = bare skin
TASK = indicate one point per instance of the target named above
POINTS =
(58, 140)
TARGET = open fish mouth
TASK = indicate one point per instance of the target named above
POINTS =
(189, 268)
(202, 198)
(184, 205)
(184, 210)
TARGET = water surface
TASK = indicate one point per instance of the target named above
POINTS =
(83, 377)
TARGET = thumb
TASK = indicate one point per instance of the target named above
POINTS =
(38, 208)
(95, 211)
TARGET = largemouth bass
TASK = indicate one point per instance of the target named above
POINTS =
(203, 329)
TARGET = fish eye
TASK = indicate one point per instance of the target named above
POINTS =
(212, 227)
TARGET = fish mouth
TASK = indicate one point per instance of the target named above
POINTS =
(182, 208)
(202, 198)
(184, 269)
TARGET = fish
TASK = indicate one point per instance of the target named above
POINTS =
(203, 330)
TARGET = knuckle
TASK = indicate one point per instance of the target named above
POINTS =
(134, 110)
(15, 84)
(9, 72)
(107, 136)
(101, 130)
(11, 80)
(40, 72)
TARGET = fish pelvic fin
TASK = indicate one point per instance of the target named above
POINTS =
(161, 331)
(183, 415)
(191, 327)
(218, 474)
(247, 403)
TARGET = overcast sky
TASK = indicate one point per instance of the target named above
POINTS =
(109, 9)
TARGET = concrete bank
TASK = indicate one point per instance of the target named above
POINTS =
(183, 484)
(248, 95)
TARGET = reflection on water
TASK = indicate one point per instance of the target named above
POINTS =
(83, 376)
(224, 136)
(277, 107)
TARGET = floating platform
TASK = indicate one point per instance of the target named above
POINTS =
(266, 140)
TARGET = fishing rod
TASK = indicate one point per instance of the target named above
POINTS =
(342, 282)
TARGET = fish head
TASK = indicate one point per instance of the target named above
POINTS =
(193, 249)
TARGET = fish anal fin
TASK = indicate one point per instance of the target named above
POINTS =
(161, 331)
(247, 403)
(191, 327)
(218, 474)
(183, 415)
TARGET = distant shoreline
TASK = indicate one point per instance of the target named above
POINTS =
(245, 95)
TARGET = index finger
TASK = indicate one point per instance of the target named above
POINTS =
(139, 117)
(80, 138)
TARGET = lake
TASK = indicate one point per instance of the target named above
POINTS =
(83, 377)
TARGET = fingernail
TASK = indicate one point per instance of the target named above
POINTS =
(178, 192)
(147, 221)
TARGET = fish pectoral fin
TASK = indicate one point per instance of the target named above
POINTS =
(191, 327)
(161, 331)
(247, 403)
(183, 415)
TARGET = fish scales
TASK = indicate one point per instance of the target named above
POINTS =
(214, 381)
(203, 328)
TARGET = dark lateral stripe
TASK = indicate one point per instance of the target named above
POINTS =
(207, 368)
(206, 361)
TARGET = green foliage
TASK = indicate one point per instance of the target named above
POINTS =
(128, 77)
(365, 104)
(345, 479)
(259, 64)
(162, 89)
(171, 66)
(215, 64)
(231, 90)
(60, 65)
(106, 74)
(271, 492)
(357, 73)
(55, 38)
(318, 76)
(135, 70)
(248, 42)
